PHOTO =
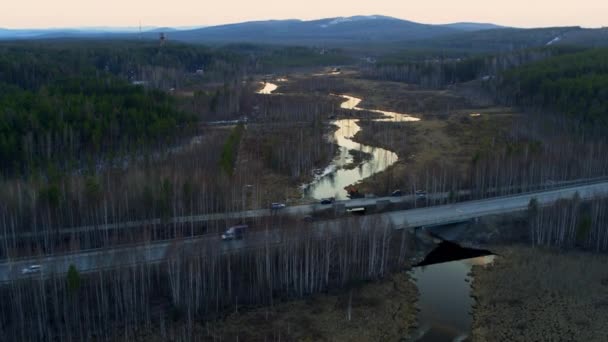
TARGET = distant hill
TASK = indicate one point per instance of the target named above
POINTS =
(374, 32)
(341, 29)
(84, 32)
(586, 37)
(509, 39)
(17, 34)
(354, 29)
(473, 26)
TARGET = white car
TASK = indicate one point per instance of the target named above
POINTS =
(31, 269)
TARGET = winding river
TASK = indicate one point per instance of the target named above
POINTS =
(341, 172)
(338, 175)
(445, 292)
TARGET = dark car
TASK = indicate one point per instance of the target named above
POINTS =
(420, 193)
(397, 193)
(327, 201)
(277, 206)
(308, 218)
(234, 232)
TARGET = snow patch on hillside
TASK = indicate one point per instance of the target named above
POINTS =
(555, 40)
(340, 20)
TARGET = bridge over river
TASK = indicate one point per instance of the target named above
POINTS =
(94, 260)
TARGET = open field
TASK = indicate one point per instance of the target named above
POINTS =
(534, 294)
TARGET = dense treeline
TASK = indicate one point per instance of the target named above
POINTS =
(302, 57)
(438, 71)
(189, 173)
(292, 140)
(271, 58)
(33, 64)
(79, 117)
(177, 184)
(230, 149)
(172, 298)
(503, 40)
(573, 84)
(570, 224)
(65, 102)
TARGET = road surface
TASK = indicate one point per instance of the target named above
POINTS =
(463, 211)
(93, 260)
(297, 210)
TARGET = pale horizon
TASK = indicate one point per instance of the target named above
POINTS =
(32, 14)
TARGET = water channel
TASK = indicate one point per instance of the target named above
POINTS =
(337, 176)
(445, 301)
(268, 88)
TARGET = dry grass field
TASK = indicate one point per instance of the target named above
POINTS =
(540, 295)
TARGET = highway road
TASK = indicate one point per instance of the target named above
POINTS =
(211, 244)
(93, 260)
(296, 210)
(463, 211)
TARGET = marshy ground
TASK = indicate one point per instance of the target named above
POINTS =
(531, 294)
(380, 311)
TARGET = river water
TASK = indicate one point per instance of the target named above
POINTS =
(445, 301)
(268, 88)
(336, 177)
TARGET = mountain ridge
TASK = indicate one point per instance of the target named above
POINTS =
(367, 31)
(359, 27)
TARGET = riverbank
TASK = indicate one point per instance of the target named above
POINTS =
(432, 144)
(359, 157)
(530, 294)
(381, 311)
(451, 133)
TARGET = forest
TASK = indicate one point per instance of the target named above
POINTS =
(110, 146)
(573, 84)
(69, 120)
(172, 300)
(84, 145)
(434, 68)
(62, 104)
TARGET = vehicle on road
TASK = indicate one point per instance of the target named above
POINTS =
(329, 200)
(235, 232)
(420, 193)
(356, 211)
(397, 193)
(277, 206)
(308, 218)
(31, 269)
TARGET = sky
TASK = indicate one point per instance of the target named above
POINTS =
(88, 13)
